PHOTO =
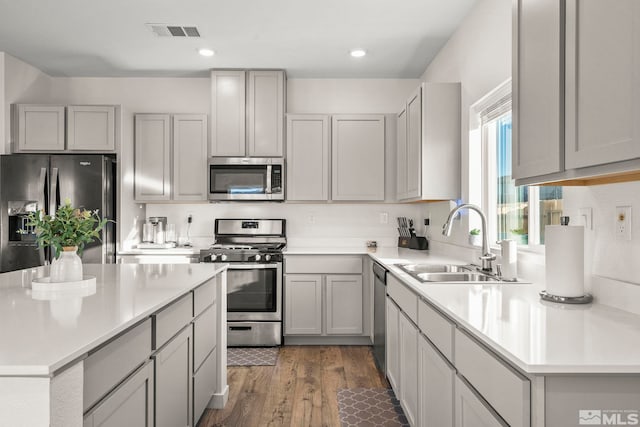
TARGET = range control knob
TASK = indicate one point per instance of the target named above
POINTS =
(258, 257)
(267, 257)
(213, 257)
(223, 257)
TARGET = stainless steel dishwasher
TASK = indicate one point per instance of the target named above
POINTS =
(379, 314)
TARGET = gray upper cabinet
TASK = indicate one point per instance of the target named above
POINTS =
(91, 128)
(414, 139)
(152, 167)
(38, 128)
(358, 157)
(190, 157)
(576, 98)
(428, 151)
(537, 89)
(247, 113)
(602, 102)
(355, 169)
(170, 164)
(265, 114)
(46, 128)
(308, 143)
(401, 159)
(228, 113)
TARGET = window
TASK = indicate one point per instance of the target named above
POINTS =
(517, 213)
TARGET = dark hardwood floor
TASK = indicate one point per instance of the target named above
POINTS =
(299, 391)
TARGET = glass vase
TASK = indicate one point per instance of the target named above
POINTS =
(67, 267)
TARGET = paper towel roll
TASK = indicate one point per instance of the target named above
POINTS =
(564, 260)
(509, 261)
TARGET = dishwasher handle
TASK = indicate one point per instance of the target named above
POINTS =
(380, 272)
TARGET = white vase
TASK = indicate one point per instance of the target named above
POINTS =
(68, 266)
(475, 239)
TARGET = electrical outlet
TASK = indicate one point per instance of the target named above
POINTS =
(384, 218)
(623, 223)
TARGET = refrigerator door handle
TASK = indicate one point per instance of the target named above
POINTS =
(42, 184)
(53, 198)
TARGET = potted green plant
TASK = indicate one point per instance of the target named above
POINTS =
(520, 235)
(67, 232)
(475, 238)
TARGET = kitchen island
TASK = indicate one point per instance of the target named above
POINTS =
(67, 357)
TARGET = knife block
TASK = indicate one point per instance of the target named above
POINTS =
(413, 242)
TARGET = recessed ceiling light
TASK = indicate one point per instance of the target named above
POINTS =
(206, 52)
(358, 53)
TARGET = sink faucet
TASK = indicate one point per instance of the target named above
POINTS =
(487, 257)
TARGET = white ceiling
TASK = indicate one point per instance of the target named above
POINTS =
(308, 38)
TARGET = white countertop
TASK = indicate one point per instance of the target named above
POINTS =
(536, 336)
(40, 336)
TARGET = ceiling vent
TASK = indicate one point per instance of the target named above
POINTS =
(166, 30)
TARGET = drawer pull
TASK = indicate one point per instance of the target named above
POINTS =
(240, 328)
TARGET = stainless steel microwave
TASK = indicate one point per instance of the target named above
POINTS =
(242, 178)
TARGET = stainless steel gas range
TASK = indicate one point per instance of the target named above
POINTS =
(253, 250)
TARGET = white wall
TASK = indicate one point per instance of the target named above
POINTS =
(348, 96)
(22, 84)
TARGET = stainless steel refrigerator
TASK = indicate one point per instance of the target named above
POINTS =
(31, 182)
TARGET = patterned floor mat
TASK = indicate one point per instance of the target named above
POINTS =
(370, 407)
(252, 356)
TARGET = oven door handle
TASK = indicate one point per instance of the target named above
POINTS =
(252, 266)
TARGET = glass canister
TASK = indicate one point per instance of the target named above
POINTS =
(170, 233)
(159, 234)
(148, 232)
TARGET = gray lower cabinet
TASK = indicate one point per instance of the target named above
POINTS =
(204, 348)
(173, 382)
(324, 297)
(409, 368)
(336, 298)
(424, 361)
(130, 404)
(204, 382)
(112, 363)
(393, 345)
(303, 304)
(436, 379)
(471, 411)
(343, 304)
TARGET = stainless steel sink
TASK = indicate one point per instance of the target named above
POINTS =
(430, 268)
(447, 273)
(454, 277)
